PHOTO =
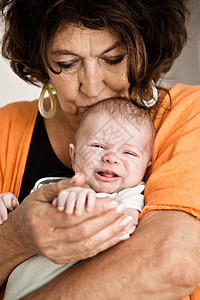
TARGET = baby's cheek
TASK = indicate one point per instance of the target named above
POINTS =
(76, 167)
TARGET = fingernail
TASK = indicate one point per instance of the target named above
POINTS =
(124, 236)
(54, 202)
(69, 211)
(126, 221)
(74, 177)
(121, 208)
(60, 208)
(62, 195)
(89, 209)
(111, 205)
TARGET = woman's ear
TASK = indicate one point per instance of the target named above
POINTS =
(72, 153)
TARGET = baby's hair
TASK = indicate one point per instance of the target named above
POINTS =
(119, 108)
(122, 109)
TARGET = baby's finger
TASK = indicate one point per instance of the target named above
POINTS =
(14, 203)
(80, 202)
(10, 201)
(7, 198)
(91, 199)
(61, 200)
(47, 192)
(3, 212)
(71, 200)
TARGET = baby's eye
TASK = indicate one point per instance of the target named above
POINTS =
(131, 153)
(98, 146)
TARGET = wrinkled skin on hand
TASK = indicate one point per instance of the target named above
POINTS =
(159, 262)
(37, 227)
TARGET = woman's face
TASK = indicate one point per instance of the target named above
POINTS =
(93, 64)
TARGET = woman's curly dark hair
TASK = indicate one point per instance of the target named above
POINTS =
(153, 32)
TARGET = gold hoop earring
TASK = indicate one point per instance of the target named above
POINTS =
(51, 112)
(152, 101)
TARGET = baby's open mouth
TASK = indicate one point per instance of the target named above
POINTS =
(107, 173)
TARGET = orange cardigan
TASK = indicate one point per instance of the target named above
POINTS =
(17, 124)
(174, 178)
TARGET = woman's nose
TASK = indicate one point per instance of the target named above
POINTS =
(92, 80)
(110, 158)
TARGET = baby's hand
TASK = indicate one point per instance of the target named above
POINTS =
(134, 213)
(7, 201)
(75, 200)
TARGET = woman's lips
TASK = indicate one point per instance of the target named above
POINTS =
(85, 108)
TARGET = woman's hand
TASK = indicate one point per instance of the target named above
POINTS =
(133, 216)
(159, 262)
(41, 229)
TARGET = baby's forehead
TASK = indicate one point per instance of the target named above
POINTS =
(100, 125)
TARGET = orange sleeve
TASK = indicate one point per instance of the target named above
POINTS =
(174, 178)
(17, 123)
(173, 181)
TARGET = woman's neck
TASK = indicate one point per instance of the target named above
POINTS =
(61, 130)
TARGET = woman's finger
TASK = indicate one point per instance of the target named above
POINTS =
(88, 247)
(55, 202)
(46, 226)
(66, 238)
(113, 232)
(62, 220)
(110, 222)
(110, 243)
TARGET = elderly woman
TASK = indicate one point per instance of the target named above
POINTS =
(88, 51)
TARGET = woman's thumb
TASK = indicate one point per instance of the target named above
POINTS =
(78, 179)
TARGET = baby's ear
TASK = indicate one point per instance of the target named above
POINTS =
(149, 164)
(72, 153)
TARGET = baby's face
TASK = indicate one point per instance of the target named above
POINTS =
(113, 154)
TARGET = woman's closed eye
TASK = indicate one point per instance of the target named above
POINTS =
(68, 65)
(110, 61)
(113, 60)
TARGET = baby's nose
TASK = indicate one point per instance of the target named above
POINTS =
(110, 158)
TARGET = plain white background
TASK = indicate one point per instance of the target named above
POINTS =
(185, 70)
